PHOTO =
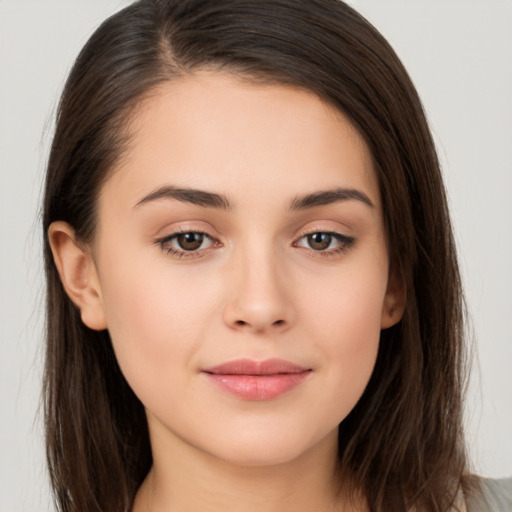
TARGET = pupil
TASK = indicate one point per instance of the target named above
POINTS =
(190, 241)
(319, 241)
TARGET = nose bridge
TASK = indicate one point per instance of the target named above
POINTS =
(259, 299)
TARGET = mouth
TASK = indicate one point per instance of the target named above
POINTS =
(257, 380)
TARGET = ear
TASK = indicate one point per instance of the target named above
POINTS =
(78, 274)
(394, 301)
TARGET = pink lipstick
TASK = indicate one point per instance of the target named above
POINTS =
(257, 380)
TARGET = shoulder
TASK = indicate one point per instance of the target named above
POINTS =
(490, 495)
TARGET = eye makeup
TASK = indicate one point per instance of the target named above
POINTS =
(325, 243)
(189, 243)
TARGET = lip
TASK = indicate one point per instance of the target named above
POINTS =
(257, 380)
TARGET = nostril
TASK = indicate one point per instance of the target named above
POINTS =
(240, 323)
(278, 323)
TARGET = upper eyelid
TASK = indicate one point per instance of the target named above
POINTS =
(184, 231)
(325, 225)
(319, 229)
(171, 232)
(299, 234)
(338, 236)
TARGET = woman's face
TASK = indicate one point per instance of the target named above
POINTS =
(242, 268)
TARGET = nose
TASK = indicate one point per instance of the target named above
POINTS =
(259, 296)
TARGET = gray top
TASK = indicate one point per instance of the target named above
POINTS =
(496, 496)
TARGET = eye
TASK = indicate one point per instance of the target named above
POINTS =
(319, 241)
(190, 241)
(185, 244)
(325, 242)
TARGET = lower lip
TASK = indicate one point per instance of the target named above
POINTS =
(258, 387)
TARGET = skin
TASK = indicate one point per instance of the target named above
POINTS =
(255, 288)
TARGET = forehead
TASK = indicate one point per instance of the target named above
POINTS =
(216, 131)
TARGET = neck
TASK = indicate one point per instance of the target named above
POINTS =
(184, 478)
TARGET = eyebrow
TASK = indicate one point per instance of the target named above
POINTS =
(214, 200)
(326, 197)
(187, 195)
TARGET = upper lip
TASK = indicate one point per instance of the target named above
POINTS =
(251, 367)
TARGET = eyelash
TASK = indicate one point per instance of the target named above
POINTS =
(345, 243)
(165, 244)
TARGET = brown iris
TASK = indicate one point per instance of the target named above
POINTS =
(190, 241)
(319, 241)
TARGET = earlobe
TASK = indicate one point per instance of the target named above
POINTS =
(78, 274)
(394, 302)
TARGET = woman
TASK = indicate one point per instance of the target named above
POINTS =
(253, 295)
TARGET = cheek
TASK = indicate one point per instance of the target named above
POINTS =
(155, 320)
(346, 309)
(347, 322)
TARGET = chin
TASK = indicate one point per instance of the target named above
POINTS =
(261, 458)
(267, 448)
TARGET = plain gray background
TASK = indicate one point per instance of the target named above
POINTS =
(459, 54)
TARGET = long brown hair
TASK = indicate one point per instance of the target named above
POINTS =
(402, 443)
